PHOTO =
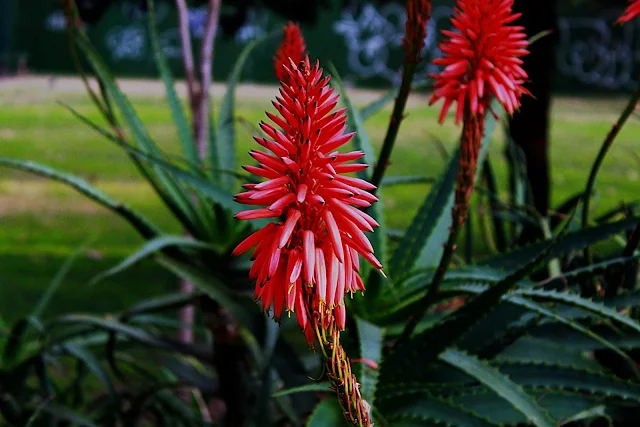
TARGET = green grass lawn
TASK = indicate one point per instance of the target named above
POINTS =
(42, 223)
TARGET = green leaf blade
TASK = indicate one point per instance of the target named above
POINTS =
(501, 385)
(189, 148)
(371, 341)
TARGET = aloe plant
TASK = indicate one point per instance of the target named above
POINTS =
(515, 337)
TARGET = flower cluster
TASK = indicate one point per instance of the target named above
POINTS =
(292, 46)
(633, 11)
(307, 261)
(481, 59)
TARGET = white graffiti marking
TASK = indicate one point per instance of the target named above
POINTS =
(56, 22)
(126, 43)
(131, 42)
(256, 26)
(370, 37)
(589, 52)
(374, 33)
(170, 42)
(197, 21)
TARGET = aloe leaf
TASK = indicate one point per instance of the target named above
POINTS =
(560, 404)
(149, 248)
(189, 148)
(93, 364)
(433, 248)
(571, 242)
(421, 408)
(389, 181)
(313, 387)
(498, 222)
(371, 340)
(136, 155)
(133, 123)
(575, 300)
(424, 240)
(54, 285)
(567, 378)
(501, 385)
(60, 413)
(433, 341)
(326, 413)
(531, 305)
(198, 219)
(370, 109)
(161, 303)
(195, 180)
(139, 222)
(135, 334)
(546, 312)
(529, 349)
(223, 151)
(214, 288)
(432, 210)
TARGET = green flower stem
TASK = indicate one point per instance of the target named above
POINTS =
(469, 151)
(608, 142)
(394, 123)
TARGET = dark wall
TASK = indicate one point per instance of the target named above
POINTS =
(362, 41)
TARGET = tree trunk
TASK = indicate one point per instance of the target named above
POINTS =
(529, 128)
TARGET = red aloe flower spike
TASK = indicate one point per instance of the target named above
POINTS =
(292, 46)
(418, 14)
(633, 10)
(309, 258)
(306, 262)
(481, 59)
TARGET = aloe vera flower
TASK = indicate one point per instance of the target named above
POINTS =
(308, 259)
(292, 46)
(633, 10)
(481, 59)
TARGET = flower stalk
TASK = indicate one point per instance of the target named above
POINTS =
(593, 174)
(418, 14)
(472, 133)
(338, 370)
(308, 259)
(481, 61)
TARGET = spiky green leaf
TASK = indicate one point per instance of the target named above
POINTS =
(313, 387)
(571, 242)
(189, 148)
(371, 340)
(373, 107)
(223, 154)
(139, 222)
(423, 243)
(501, 385)
(420, 409)
(149, 248)
(132, 121)
(327, 413)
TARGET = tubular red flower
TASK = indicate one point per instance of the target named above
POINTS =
(481, 59)
(292, 46)
(633, 10)
(309, 260)
(418, 13)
